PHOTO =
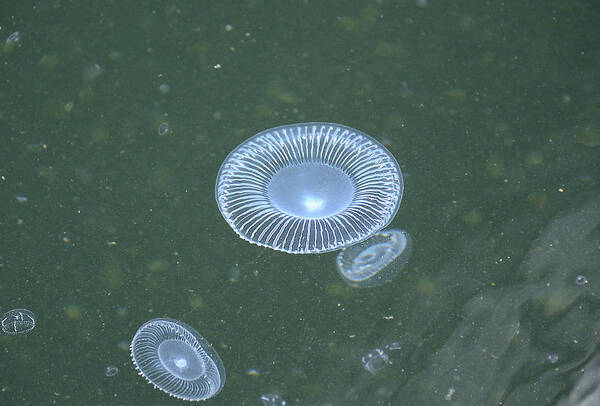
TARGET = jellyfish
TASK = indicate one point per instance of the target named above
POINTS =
(377, 359)
(309, 188)
(272, 399)
(18, 321)
(176, 359)
(375, 261)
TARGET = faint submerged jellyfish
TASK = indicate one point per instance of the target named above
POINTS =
(111, 370)
(552, 358)
(163, 128)
(176, 359)
(309, 188)
(272, 399)
(376, 260)
(18, 321)
(14, 38)
(377, 359)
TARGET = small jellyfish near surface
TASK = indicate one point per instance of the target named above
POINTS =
(92, 72)
(309, 188)
(552, 358)
(12, 41)
(18, 321)
(164, 88)
(377, 359)
(14, 38)
(176, 359)
(272, 399)
(111, 371)
(163, 128)
(449, 394)
(375, 261)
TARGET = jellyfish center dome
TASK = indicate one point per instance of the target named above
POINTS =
(180, 359)
(311, 190)
(374, 257)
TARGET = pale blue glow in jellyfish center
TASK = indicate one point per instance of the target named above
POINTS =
(311, 190)
(181, 360)
(370, 261)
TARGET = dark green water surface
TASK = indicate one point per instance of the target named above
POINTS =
(491, 108)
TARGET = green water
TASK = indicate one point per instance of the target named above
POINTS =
(491, 109)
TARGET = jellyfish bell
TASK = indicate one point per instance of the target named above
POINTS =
(180, 359)
(176, 359)
(18, 322)
(375, 261)
(309, 188)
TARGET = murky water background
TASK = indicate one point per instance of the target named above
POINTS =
(114, 119)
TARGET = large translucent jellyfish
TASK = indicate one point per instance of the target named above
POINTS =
(309, 187)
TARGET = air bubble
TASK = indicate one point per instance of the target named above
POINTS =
(375, 360)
